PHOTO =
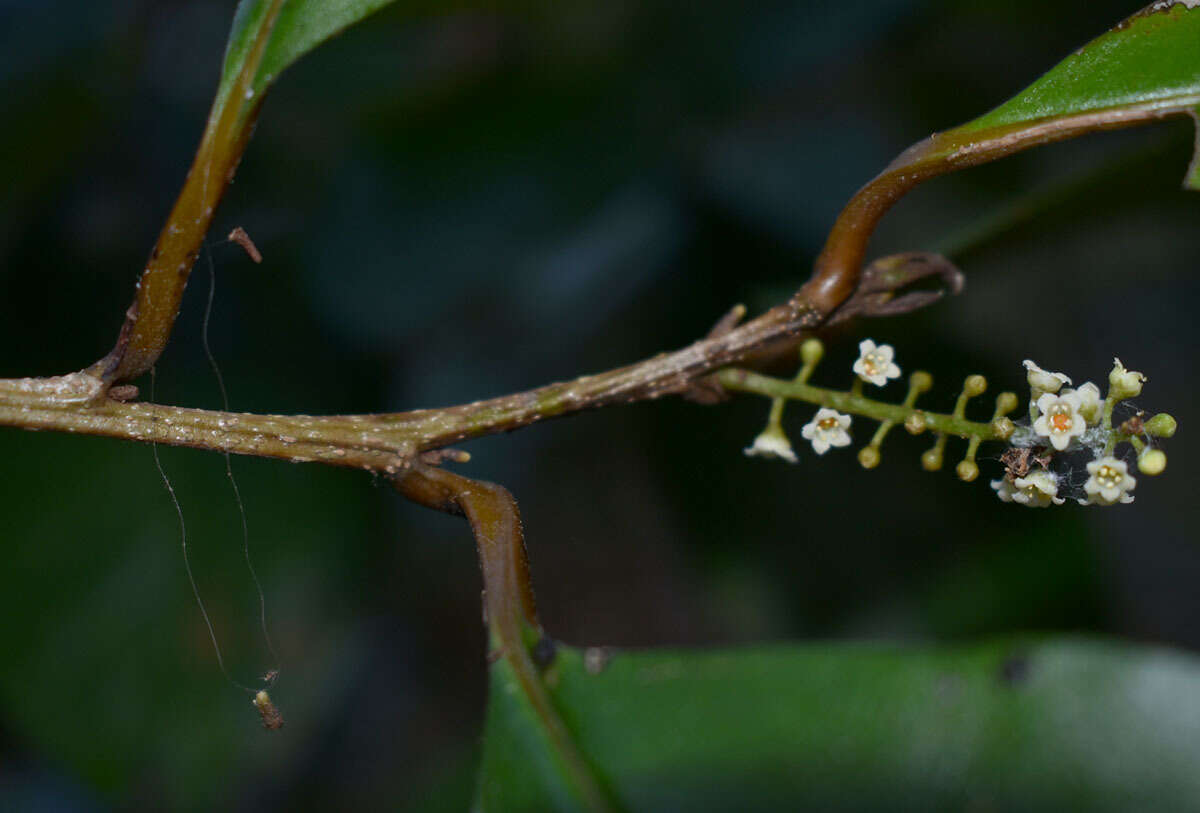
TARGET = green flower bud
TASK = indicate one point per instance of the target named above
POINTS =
(1124, 383)
(932, 459)
(1006, 402)
(1161, 425)
(868, 457)
(1152, 462)
(920, 381)
(811, 351)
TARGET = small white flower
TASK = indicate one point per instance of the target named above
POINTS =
(1124, 383)
(827, 428)
(1004, 489)
(1089, 402)
(771, 443)
(1037, 489)
(1041, 380)
(1060, 419)
(1108, 482)
(875, 363)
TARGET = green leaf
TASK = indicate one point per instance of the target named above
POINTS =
(1153, 57)
(1008, 725)
(1150, 62)
(1145, 68)
(300, 26)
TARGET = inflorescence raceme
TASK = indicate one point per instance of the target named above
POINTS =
(1068, 446)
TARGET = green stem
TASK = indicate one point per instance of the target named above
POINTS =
(1106, 423)
(881, 433)
(751, 382)
(775, 418)
(972, 449)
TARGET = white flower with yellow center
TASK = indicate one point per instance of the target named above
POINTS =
(1060, 419)
(827, 428)
(1038, 489)
(771, 443)
(1042, 380)
(875, 363)
(1108, 482)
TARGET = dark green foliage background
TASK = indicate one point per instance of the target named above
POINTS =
(472, 202)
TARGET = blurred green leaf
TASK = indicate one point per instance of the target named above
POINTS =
(1017, 724)
(104, 634)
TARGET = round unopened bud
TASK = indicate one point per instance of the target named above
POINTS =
(932, 459)
(974, 385)
(967, 470)
(1161, 425)
(920, 381)
(811, 351)
(1152, 462)
(868, 457)
(1003, 428)
(1006, 402)
(915, 423)
(1124, 383)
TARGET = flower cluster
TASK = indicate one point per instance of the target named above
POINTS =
(1070, 429)
(1066, 420)
(1062, 414)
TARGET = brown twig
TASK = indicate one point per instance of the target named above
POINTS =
(75, 403)
(837, 268)
(510, 607)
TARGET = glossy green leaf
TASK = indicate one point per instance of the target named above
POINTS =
(1152, 57)
(301, 26)
(1008, 725)
(1147, 66)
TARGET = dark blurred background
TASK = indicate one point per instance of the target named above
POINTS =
(467, 202)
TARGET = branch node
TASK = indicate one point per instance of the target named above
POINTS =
(879, 292)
